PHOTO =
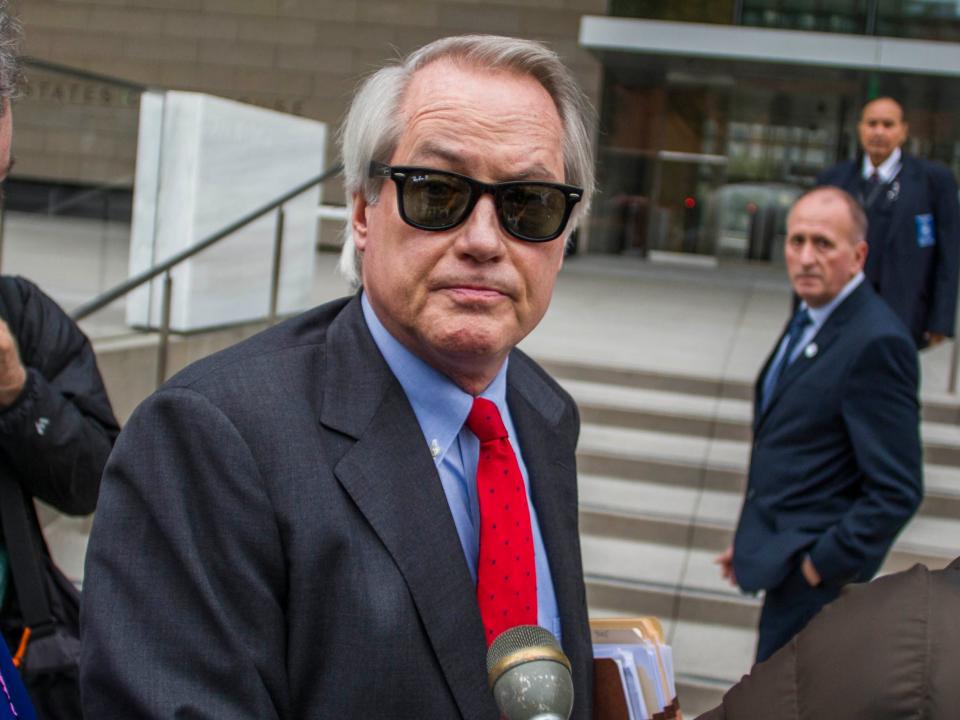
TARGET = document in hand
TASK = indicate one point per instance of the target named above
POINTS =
(633, 670)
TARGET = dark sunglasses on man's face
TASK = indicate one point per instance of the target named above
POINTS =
(439, 200)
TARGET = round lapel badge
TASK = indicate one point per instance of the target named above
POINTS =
(811, 350)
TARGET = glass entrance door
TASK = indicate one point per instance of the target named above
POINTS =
(682, 186)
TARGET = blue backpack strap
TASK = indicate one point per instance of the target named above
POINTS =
(14, 702)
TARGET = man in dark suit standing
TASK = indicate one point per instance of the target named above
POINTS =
(835, 470)
(334, 518)
(914, 223)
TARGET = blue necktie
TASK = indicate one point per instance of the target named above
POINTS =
(797, 325)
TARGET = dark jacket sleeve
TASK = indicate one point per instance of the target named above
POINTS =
(884, 650)
(57, 435)
(943, 296)
(191, 623)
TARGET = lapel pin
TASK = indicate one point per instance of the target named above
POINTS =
(811, 350)
(894, 192)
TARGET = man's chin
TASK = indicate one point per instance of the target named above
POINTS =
(472, 336)
(808, 292)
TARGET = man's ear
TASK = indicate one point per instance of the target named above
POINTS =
(358, 221)
(861, 250)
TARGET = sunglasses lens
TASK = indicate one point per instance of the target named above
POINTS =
(435, 200)
(535, 212)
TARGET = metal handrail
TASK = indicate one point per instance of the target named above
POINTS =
(164, 268)
(136, 281)
(49, 66)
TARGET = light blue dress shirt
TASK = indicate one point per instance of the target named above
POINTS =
(441, 409)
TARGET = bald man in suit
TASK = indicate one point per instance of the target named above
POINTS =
(835, 467)
(914, 223)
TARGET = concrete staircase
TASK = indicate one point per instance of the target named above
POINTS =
(662, 462)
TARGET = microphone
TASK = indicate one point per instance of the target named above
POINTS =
(530, 675)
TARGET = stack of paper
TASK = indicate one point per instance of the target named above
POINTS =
(633, 670)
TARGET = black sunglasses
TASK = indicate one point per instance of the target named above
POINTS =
(439, 200)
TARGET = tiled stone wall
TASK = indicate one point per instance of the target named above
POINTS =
(299, 56)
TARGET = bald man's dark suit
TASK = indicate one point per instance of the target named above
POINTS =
(835, 467)
(917, 277)
(291, 553)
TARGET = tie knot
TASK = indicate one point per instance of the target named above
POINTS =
(874, 177)
(484, 420)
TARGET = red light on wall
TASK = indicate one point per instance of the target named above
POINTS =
(689, 202)
(752, 208)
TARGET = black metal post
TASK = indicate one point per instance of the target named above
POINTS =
(275, 270)
(163, 346)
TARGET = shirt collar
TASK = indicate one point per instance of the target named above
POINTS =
(887, 170)
(440, 405)
(819, 315)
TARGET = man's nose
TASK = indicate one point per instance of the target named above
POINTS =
(807, 254)
(482, 237)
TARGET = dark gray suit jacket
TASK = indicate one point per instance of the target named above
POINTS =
(273, 541)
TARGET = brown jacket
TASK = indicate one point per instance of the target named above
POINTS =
(885, 649)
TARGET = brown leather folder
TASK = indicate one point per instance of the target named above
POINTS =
(609, 700)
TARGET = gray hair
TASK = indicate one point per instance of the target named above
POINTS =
(373, 124)
(10, 34)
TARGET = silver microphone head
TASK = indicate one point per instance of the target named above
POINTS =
(530, 675)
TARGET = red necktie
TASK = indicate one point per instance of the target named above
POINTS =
(506, 574)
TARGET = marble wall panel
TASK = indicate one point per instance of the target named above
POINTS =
(203, 163)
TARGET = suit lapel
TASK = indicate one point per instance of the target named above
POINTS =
(851, 177)
(823, 341)
(909, 180)
(392, 479)
(536, 410)
(758, 385)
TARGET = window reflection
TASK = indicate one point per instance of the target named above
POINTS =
(921, 19)
(842, 16)
(918, 19)
(703, 11)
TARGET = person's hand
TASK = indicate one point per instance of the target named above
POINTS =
(725, 561)
(810, 573)
(934, 338)
(13, 376)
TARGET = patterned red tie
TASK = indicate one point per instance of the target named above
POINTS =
(506, 574)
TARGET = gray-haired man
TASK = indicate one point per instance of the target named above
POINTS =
(312, 516)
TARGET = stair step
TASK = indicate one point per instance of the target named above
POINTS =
(695, 452)
(697, 695)
(630, 377)
(716, 465)
(710, 417)
(629, 598)
(930, 541)
(937, 406)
